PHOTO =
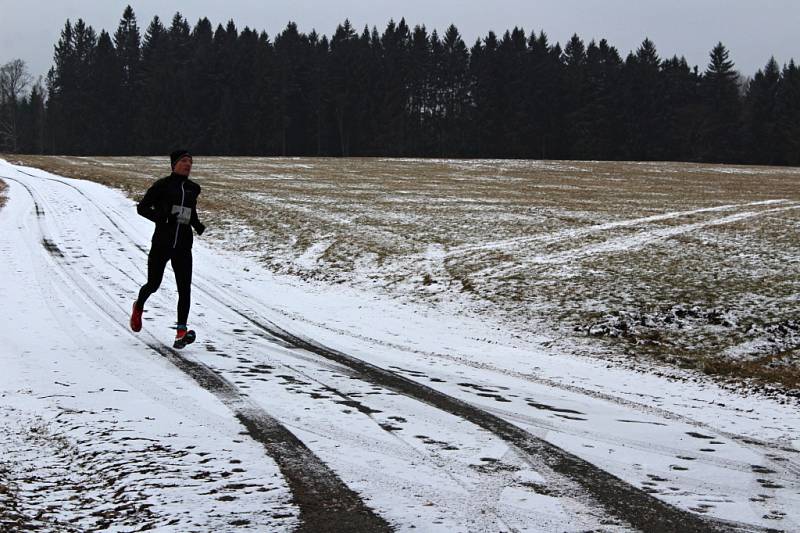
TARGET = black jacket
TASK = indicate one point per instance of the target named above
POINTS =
(171, 203)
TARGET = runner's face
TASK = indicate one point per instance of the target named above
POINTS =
(184, 165)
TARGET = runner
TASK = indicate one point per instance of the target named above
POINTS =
(171, 203)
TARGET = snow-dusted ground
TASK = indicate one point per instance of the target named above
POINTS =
(104, 427)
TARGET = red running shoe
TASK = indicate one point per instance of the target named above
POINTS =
(183, 337)
(136, 317)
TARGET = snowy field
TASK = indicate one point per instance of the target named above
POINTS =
(685, 265)
(382, 352)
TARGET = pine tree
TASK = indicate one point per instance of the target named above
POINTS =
(684, 110)
(598, 120)
(512, 53)
(71, 89)
(488, 89)
(720, 134)
(179, 50)
(63, 90)
(419, 138)
(763, 138)
(224, 120)
(319, 98)
(543, 108)
(575, 96)
(154, 84)
(645, 112)
(127, 42)
(292, 50)
(390, 92)
(105, 82)
(451, 96)
(787, 109)
(349, 64)
(32, 121)
(201, 82)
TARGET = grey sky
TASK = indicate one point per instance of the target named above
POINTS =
(752, 30)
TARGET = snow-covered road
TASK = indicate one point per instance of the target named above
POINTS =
(310, 406)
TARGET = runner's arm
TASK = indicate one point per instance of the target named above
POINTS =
(150, 208)
(198, 226)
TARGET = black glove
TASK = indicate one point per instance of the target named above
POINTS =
(199, 228)
(172, 218)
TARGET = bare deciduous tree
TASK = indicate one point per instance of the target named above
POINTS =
(14, 81)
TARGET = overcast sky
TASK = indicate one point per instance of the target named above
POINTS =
(753, 30)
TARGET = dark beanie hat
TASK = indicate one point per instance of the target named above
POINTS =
(176, 155)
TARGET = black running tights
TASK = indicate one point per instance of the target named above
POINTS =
(182, 266)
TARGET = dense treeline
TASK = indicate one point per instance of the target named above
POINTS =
(405, 92)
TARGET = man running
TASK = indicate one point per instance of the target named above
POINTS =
(171, 203)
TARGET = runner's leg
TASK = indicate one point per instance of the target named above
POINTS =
(182, 266)
(156, 263)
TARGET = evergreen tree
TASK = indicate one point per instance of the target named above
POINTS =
(127, 42)
(762, 135)
(421, 74)
(390, 92)
(77, 91)
(105, 83)
(321, 120)
(643, 94)
(63, 91)
(224, 120)
(154, 92)
(349, 85)
(544, 102)
(598, 126)
(684, 111)
(488, 90)
(787, 109)
(451, 93)
(180, 55)
(512, 53)
(244, 76)
(575, 97)
(720, 134)
(201, 81)
(32, 121)
(292, 53)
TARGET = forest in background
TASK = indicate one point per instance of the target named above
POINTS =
(405, 92)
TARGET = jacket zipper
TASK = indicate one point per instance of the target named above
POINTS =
(178, 228)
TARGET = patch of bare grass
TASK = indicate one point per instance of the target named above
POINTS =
(3, 194)
(763, 369)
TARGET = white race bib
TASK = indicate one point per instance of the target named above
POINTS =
(184, 214)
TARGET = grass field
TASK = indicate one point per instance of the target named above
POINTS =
(690, 265)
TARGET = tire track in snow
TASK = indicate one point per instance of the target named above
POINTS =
(647, 446)
(83, 194)
(325, 502)
(619, 498)
(771, 453)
